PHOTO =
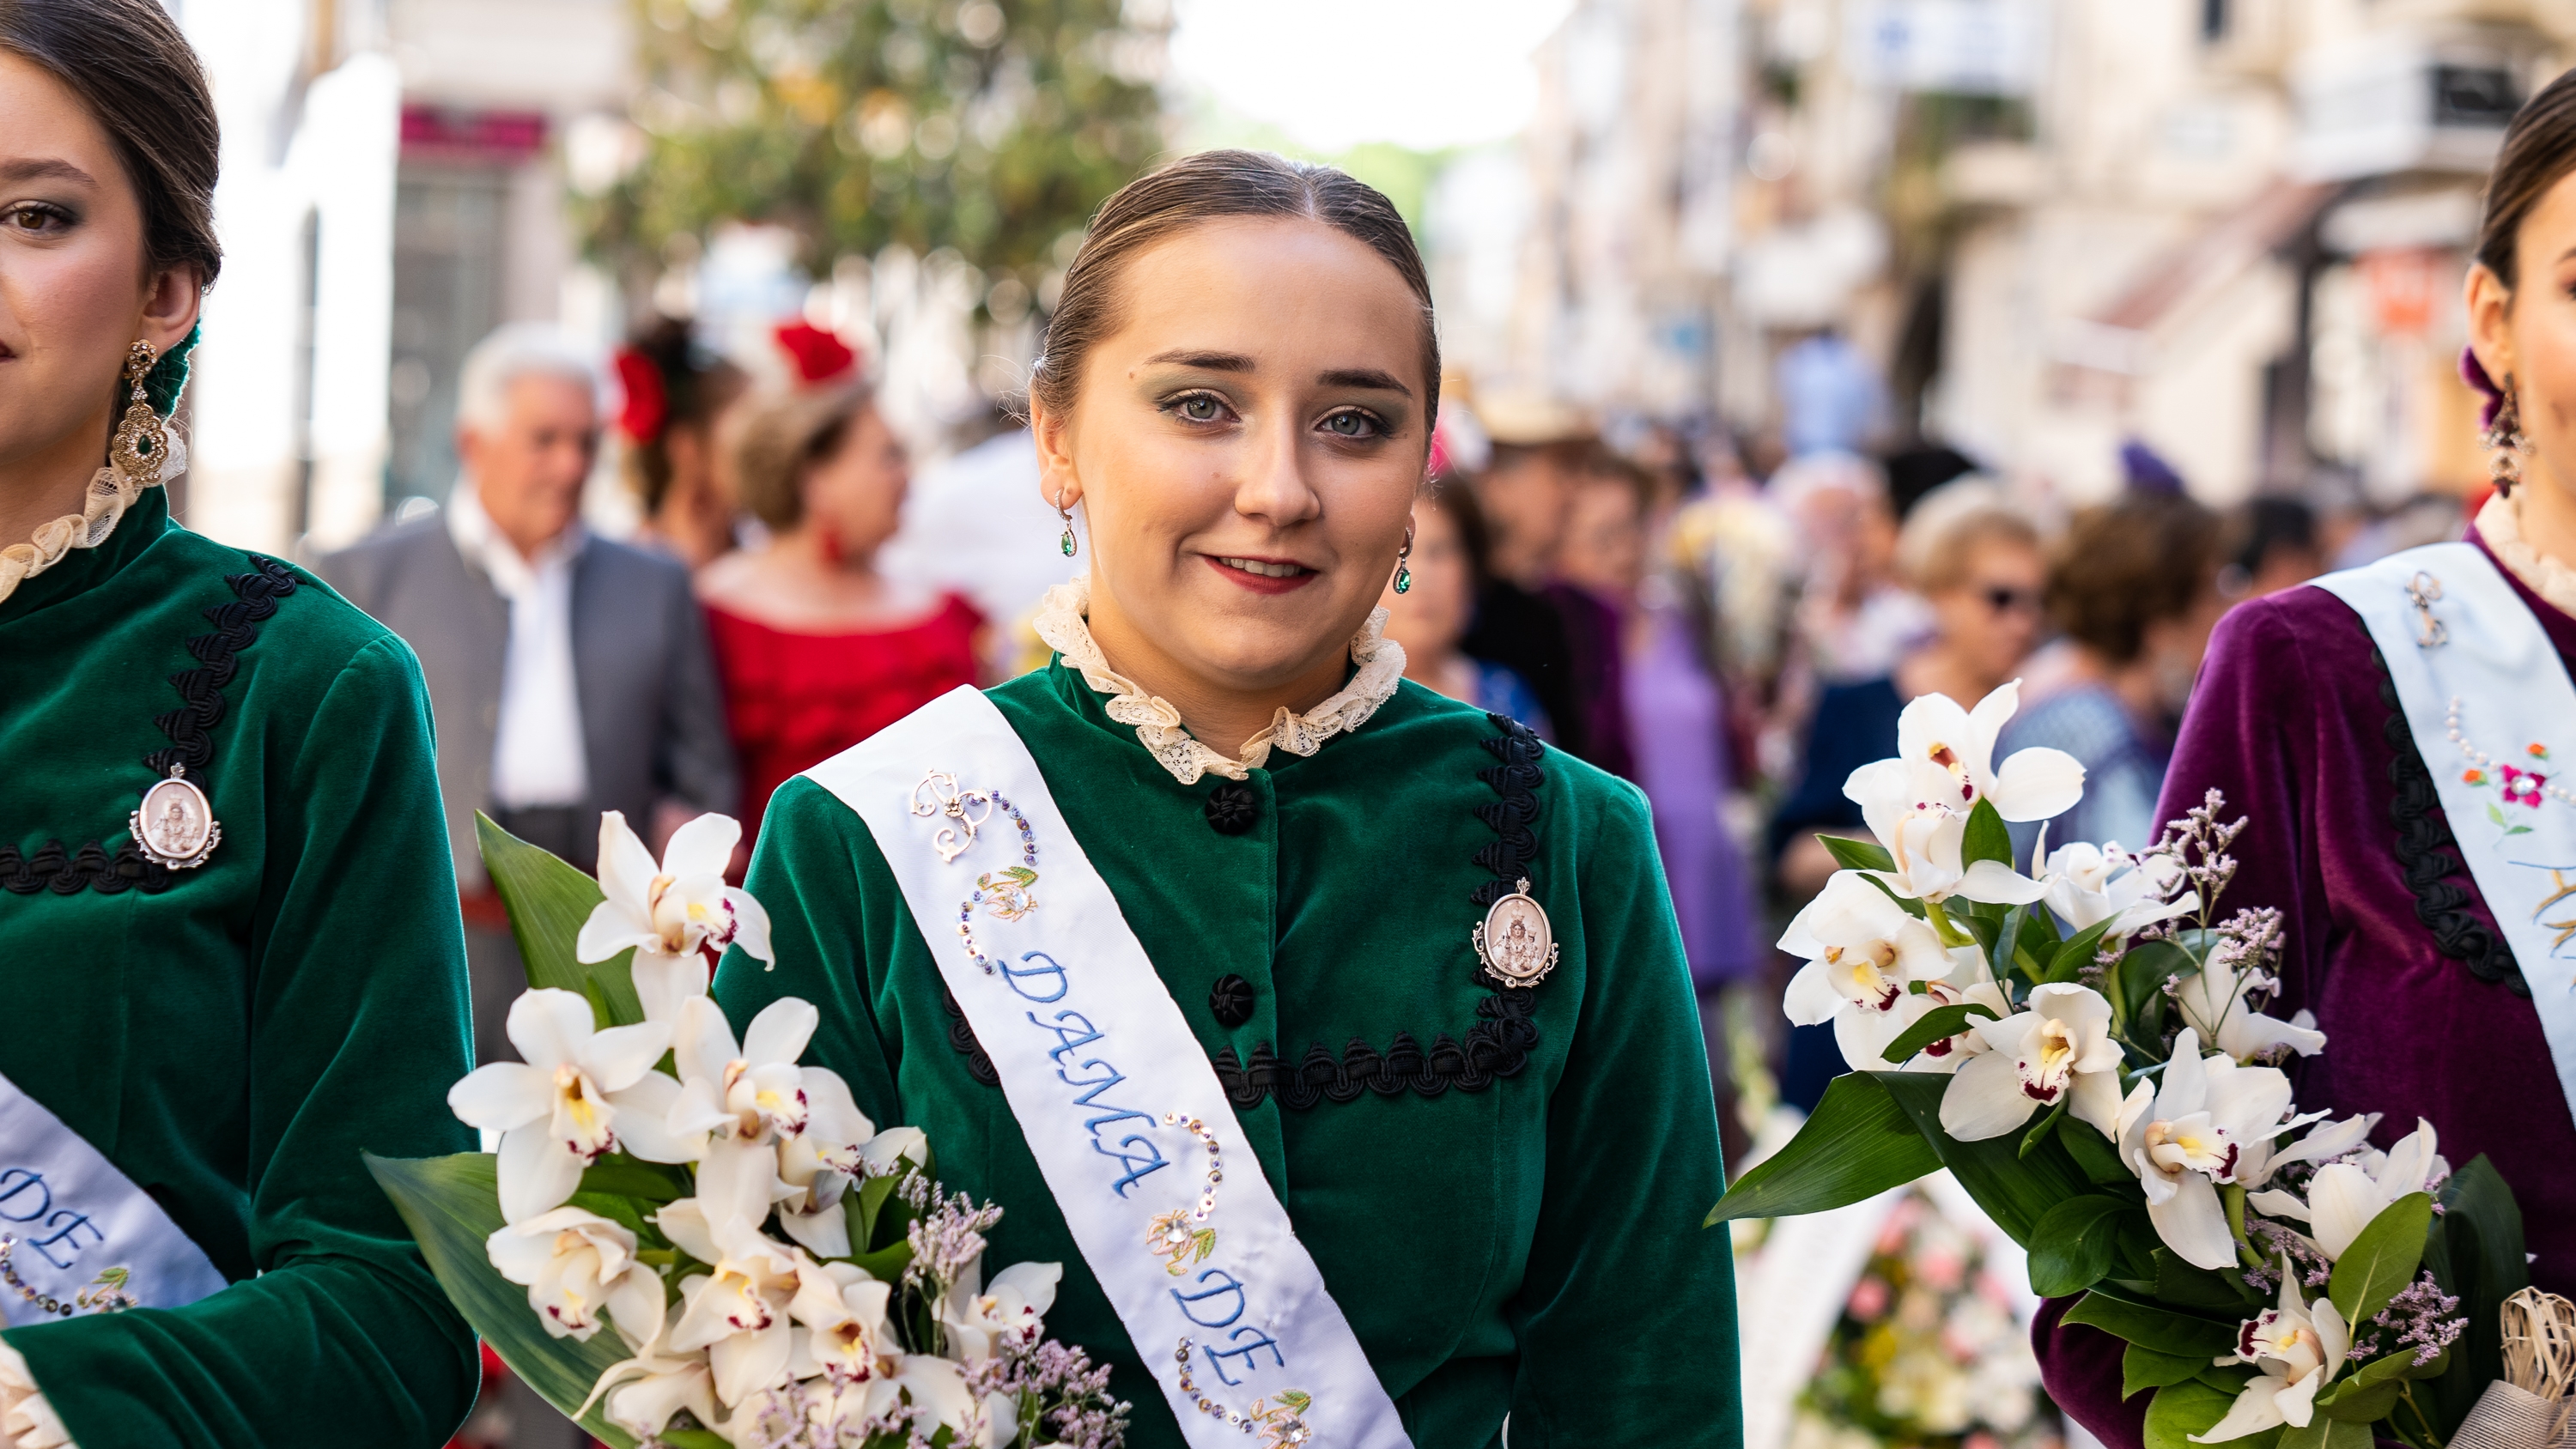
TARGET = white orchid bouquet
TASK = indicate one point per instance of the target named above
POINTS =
(2085, 1047)
(772, 1270)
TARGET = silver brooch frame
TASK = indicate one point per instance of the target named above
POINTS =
(175, 826)
(1516, 941)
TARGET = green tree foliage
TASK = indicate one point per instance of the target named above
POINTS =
(992, 127)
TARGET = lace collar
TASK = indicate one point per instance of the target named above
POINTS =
(2500, 525)
(110, 493)
(1063, 622)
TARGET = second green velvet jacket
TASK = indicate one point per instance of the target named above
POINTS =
(1512, 1227)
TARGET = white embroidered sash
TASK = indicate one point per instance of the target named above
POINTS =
(78, 1229)
(2494, 715)
(1120, 1107)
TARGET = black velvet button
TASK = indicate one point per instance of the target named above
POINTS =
(1233, 809)
(1230, 1001)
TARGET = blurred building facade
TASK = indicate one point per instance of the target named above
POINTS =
(392, 190)
(2231, 228)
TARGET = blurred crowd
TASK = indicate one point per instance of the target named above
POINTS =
(1733, 625)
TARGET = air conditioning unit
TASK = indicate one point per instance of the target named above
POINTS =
(2399, 101)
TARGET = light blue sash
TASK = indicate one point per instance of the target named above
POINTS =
(2494, 715)
(80, 1231)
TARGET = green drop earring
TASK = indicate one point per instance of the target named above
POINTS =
(1403, 572)
(1067, 542)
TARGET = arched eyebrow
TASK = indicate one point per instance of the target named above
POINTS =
(48, 169)
(1204, 361)
(1365, 377)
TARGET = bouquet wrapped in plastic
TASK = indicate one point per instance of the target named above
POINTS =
(688, 1238)
(2085, 1046)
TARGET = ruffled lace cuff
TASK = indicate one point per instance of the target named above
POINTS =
(26, 1420)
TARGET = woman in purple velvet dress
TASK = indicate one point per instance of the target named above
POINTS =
(2384, 894)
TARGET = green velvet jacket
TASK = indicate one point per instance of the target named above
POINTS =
(1525, 1244)
(232, 1036)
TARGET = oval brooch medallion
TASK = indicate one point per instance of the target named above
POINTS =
(175, 825)
(1516, 942)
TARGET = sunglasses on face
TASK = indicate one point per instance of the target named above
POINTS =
(2004, 599)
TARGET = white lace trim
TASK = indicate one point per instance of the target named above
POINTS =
(2500, 524)
(26, 1420)
(110, 494)
(1063, 622)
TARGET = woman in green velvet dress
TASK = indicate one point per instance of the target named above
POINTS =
(235, 959)
(1498, 1165)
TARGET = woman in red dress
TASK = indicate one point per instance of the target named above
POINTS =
(818, 651)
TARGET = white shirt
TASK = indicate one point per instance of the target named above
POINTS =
(538, 757)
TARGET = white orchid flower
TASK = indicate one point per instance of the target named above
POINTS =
(2344, 1196)
(2060, 1047)
(669, 912)
(745, 1091)
(2209, 1121)
(1907, 807)
(738, 1314)
(940, 1396)
(556, 1110)
(2033, 784)
(1862, 951)
(820, 1162)
(844, 1312)
(2297, 1348)
(641, 1393)
(2324, 1144)
(2212, 1002)
(977, 1320)
(1871, 1038)
(2089, 884)
(575, 1263)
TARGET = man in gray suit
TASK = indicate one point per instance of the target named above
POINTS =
(568, 674)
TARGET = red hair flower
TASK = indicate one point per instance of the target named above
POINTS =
(648, 403)
(819, 356)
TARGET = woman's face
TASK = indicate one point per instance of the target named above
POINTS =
(74, 294)
(1246, 444)
(2528, 335)
(1605, 537)
(854, 493)
(1991, 617)
(1430, 617)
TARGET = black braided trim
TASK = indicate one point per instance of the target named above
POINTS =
(91, 867)
(2425, 855)
(1497, 1046)
(961, 1035)
(201, 690)
(65, 873)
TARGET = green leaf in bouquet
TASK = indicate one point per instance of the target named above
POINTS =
(1938, 1024)
(2163, 1329)
(2181, 1410)
(2359, 1403)
(886, 1264)
(2398, 1367)
(1857, 854)
(1987, 837)
(2475, 1251)
(2382, 1260)
(2045, 1128)
(2327, 1432)
(2141, 979)
(621, 1211)
(2093, 1154)
(1858, 1144)
(548, 900)
(2076, 952)
(452, 1205)
(2143, 1368)
(2016, 1190)
(2075, 1244)
(2185, 1286)
(622, 1176)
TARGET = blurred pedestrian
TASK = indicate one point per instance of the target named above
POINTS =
(1676, 716)
(569, 674)
(2134, 590)
(2273, 544)
(816, 648)
(1831, 397)
(978, 525)
(1447, 568)
(1556, 636)
(676, 395)
(1855, 617)
(1976, 559)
